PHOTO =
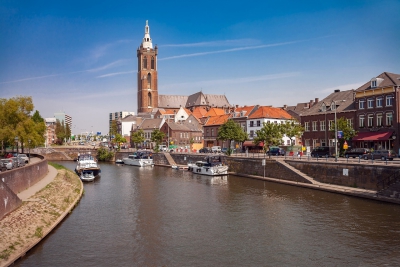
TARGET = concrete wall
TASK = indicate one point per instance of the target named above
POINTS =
(358, 175)
(17, 180)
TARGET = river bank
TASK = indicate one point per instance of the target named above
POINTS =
(38, 215)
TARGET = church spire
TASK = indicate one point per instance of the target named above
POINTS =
(146, 39)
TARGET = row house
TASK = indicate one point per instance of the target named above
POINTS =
(263, 115)
(148, 126)
(210, 130)
(182, 135)
(318, 121)
(377, 112)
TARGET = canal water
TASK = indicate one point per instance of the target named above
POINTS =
(158, 216)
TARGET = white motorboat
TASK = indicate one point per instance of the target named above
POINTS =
(87, 176)
(140, 158)
(190, 166)
(212, 166)
(86, 162)
(119, 161)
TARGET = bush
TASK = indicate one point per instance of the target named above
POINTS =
(104, 154)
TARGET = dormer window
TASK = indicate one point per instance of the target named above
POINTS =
(323, 107)
(333, 106)
(375, 82)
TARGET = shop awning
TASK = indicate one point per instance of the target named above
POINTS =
(373, 136)
(250, 143)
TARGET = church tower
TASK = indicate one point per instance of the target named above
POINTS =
(147, 74)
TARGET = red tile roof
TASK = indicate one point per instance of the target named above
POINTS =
(214, 112)
(270, 113)
(217, 120)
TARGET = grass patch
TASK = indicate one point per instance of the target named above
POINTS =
(57, 166)
(39, 232)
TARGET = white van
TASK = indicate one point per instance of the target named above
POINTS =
(216, 149)
(162, 148)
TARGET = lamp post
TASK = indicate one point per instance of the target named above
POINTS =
(16, 142)
(324, 109)
(29, 151)
(334, 102)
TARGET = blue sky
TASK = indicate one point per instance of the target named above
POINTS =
(80, 56)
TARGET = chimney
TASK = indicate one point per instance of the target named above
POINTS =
(285, 107)
(337, 90)
(237, 106)
(316, 100)
(311, 103)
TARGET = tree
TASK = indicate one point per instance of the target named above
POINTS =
(157, 136)
(292, 128)
(137, 137)
(119, 139)
(270, 134)
(104, 154)
(231, 131)
(348, 132)
(113, 128)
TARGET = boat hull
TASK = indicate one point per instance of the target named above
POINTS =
(210, 171)
(138, 162)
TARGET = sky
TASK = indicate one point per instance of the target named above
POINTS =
(79, 57)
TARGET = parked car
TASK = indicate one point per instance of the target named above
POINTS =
(276, 151)
(6, 164)
(204, 150)
(224, 150)
(215, 149)
(383, 154)
(356, 152)
(321, 151)
(18, 162)
(24, 157)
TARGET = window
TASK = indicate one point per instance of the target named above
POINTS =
(322, 126)
(323, 107)
(323, 142)
(152, 63)
(389, 119)
(306, 126)
(373, 83)
(258, 123)
(333, 106)
(350, 123)
(251, 123)
(307, 142)
(314, 126)
(208, 132)
(145, 63)
(315, 142)
(370, 103)
(331, 125)
(288, 142)
(389, 100)
(379, 102)
(331, 142)
(361, 104)
(149, 80)
(251, 133)
(149, 99)
(379, 119)
(361, 121)
(370, 120)
(212, 132)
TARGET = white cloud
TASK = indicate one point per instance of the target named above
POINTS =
(115, 74)
(216, 43)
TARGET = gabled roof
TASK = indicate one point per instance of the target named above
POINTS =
(149, 124)
(178, 126)
(197, 99)
(172, 101)
(131, 118)
(270, 113)
(217, 101)
(217, 120)
(389, 79)
(245, 111)
(199, 112)
(214, 112)
(344, 102)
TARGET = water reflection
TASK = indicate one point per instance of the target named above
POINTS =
(162, 217)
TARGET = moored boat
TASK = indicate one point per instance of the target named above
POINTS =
(140, 158)
(87, 176)
(212, 166)
(87, 162)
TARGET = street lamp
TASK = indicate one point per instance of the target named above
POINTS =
(334, 102)
(29, 151)
(324, 110)
(16, 141)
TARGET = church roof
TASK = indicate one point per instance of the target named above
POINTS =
(172, 101)
(194, 100)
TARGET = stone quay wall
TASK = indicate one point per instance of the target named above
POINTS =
(17, 180)
(239, 166)
(346, 174)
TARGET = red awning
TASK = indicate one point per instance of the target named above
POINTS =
(250, 143)
(373, 136)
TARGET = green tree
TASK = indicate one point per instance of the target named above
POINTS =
(67, 132)
(119, 139)
(60, 132)
(231, 131)
(270, 134)
(157, 136)
(114, 128)
(104, 154)
(348, 132)
(137, 137)
(292, 128)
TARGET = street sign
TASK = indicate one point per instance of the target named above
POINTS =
(340, 134)
(345, 146)
(263, 162)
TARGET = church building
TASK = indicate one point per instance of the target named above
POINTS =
(148, 99)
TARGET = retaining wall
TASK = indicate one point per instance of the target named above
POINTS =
(17, 180)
